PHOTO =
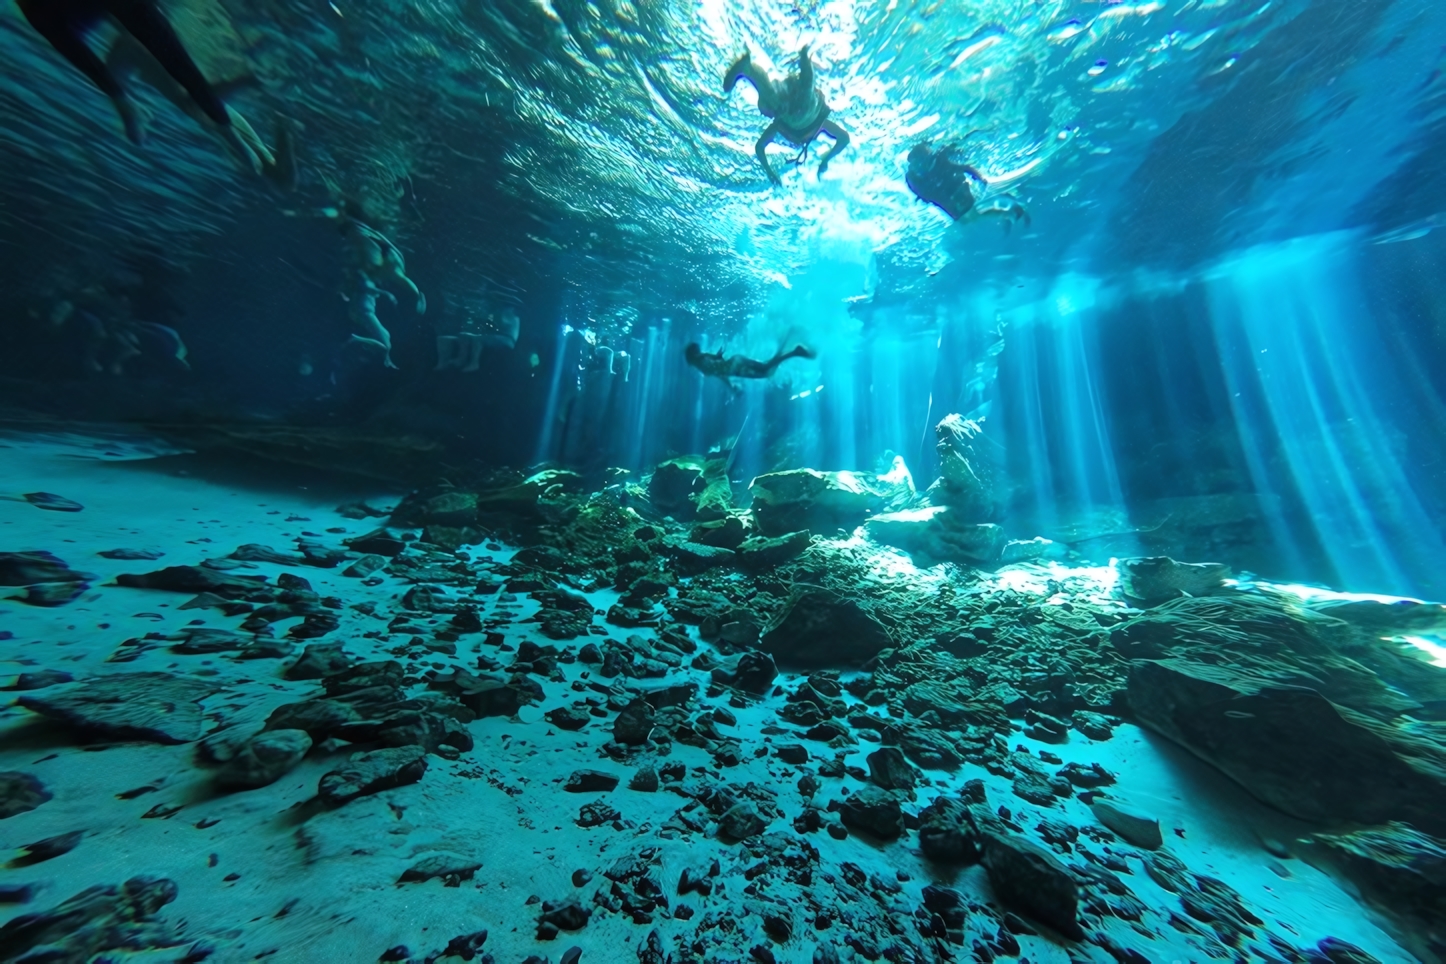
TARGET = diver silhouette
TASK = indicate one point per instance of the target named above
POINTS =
(727, 368)
(66, 24)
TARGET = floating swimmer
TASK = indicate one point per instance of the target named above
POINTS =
(372, 261)
(716, 365)
(797, 107)
(67, 23)
(941, 177)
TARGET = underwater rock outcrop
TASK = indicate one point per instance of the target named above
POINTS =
(799, 499)
(96, 920)
(966, 480)
(1154, 579)
(152, 707)
(46, 579)
(935, 534)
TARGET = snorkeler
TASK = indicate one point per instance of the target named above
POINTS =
(67, 23)
(372, 260)
(716, 365)
(463, 350)
(797, 107)
(941, 177)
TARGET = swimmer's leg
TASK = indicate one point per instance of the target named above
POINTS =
(840, 141)
(448, 349)
(761, 150)
(471, 351)
(65, 28)
(147, 24)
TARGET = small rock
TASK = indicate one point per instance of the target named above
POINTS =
(872, 810)
(450, 868)
(1135, 826)
(634, 724)
(51, 847)
(644, 780)
(266, 758)
(740, 822)
(1027, 878)
(133, 554)
(591, 781)
(373, 772)
(794, 753)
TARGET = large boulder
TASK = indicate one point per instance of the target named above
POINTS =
(1153, 579)
(1031, 880)
(1292, 747)
(797, 499)
(935, 534)
(819, 628)
(674, 483)
(966, 472)
(150, 707)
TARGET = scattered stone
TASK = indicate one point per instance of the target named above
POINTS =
(798, 499)
(452, 869)
(591, 781)
(1029, 879)
(754, 672)
(740, 822)
(938, 533)
(888, 769)
(194, 580)
(769, 552)
(570, 718)
(946, 833)
(1400, 871)
(266, 758)
(20, 792)
(152, 707)
(645, 780)
(635, 723)
(365, 566)
(373, 772)
(566, 915)
(50, 848)
(46, 579)
(51, 501)
(794, 753)
(1136, 827)
(40, 679)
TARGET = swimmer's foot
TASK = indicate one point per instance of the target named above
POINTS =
(739, 68)
(133, 118)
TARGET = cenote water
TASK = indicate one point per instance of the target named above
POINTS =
(722, 481)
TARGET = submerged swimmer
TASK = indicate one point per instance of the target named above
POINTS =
(941, 177)
(716, 365)
(372, 260)
(797, 107)
(67, 24)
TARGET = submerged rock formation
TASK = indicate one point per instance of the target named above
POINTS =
(798, 499)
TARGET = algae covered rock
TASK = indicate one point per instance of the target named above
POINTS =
(766, 552)
(673, 484)
(819, 629)
(798, 499)
(1031, 880)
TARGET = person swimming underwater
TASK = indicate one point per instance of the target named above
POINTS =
(717, 365)
(796, 106)
(67, 23)
(940, 176)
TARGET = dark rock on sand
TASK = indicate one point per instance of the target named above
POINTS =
(27, 568)
(20, 792)
(320, 660)
(266, 757)
(570, 718)
(820, 629)
(1031, 880)
(146, 555)
(591, 781)
(1401, 871)
(94, 921)
(1133, 825)
(365, 566)
(320, 718)
(194, 580)
(53, 502)
(798, 499)
(754, 672)
(154, 707)
(1293, 748)
(373, 772)
(452, 869)
(40, 679)
(946, 833)
(635, 723)
(50, 848)
(888, 769)
(740, 822)
(873, 811)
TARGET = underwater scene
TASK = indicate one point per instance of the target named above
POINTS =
(722, 481)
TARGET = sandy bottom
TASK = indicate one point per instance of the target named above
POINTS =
(260, 877)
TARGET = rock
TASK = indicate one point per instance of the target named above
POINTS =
(1291, 747)
(946, 833)
(452, 869)
(1134, 826)
(378, 542)
(455, 509)
(266, 758)
(691, 558)
(1016, 551)
(726, 533)
(754, 672)
(674, 483)
(53, 502)
(645, 780)
(966, 470)
(821, 629)
(566, 915)
(27, 568)
(740, 822)
(1400, 871)
(873, 811)
(373, 772)
(570, 718)
(20, 792)
(634, 724)
(51, 594)
(365, 566)
(96, 920)
(1031, 880)
(152, 707)
(768, 552)
(1153, 579)
(591, 781)
(889, 770)
(195, 580)
(40, 679)
(255, 552)
(50, 847)
(794, 753)
(320, 660)
(468, 946)
(935, 534)
(147, 555)
(320, 718)
(788, 502)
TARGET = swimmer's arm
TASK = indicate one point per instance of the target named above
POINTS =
(761, 150)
